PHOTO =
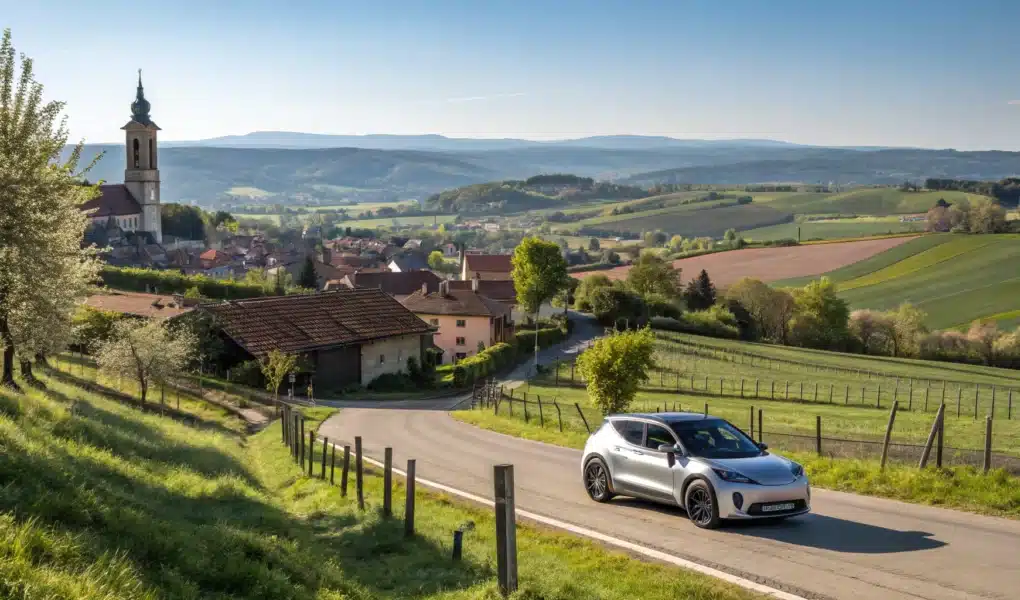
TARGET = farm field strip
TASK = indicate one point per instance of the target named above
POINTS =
(829, 230)
(922, 260)
(877, 261)
(872, 201)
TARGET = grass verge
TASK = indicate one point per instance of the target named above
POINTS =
(99, 500)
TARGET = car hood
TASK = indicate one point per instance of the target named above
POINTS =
(767, 469)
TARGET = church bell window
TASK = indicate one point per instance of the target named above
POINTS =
(134, 156)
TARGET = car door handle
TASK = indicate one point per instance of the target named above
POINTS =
(638, 452)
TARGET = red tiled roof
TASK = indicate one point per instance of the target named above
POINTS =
(301, 323)
(455, 302)
(497, 289)
(137, 304)
(211, 254)
(491, 263)
(113, 200)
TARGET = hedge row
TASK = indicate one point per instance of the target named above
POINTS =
(173, 282)
(501, 355)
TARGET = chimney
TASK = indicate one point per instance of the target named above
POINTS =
(474, 283)
(424, 289)
(444, 288)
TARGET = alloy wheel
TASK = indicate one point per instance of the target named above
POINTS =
(699, 506)
(595, 480)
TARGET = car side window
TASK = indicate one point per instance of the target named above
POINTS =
(657, 436)
(632, 431)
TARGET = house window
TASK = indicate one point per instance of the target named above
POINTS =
(461, 323)
(461, 356)
(461, 342)
(382, 359)
(434, 322)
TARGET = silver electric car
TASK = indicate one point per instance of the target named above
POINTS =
(701, 463)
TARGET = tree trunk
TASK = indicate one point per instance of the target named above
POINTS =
(27, 375)
(143, 387)
(41, 360)
(7, 379)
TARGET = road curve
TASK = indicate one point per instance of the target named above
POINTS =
(851, 547)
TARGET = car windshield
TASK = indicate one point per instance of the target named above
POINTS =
(714, 438)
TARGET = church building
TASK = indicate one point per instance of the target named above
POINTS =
(133, 206)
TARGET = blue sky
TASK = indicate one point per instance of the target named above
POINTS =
(907, 73)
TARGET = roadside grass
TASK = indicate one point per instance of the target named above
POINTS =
(965, 488)
(100, 500)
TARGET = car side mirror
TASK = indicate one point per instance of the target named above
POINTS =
(763, 445)
(671, 451)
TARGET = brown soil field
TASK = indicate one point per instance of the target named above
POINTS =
(772, 264)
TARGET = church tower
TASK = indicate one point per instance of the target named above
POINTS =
(141, 175)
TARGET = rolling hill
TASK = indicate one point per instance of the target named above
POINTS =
(402, 167)
(955, 278)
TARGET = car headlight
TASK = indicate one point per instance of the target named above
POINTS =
(733, 476)
(797, 470)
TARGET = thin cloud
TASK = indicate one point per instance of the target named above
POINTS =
(1013, 102)
(489, 97)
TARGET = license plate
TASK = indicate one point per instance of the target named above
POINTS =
(777, 507)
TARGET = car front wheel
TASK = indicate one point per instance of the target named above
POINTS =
(701, 505)
(596, 481)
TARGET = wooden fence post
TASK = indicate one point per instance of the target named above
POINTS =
(910, 396)
(302, 457)
(359, 473)
(941, 435)
(959, 394)
(706, 409)
(761, 428)
(581, 412)
(541, 413)
(741, 387)
(755, 388)
(830, 393)
(346, 469)
(878, 395)
(926, 389)
(888, 433)
(559, 415)
(818, 434)
(931, 437)
(387, 506)
(332, 465)
(409, 500)
(311, 451)
(527, 419)
(846, 398)
(322, 473)
(506, 529)
(1009, 406)
(977, 392)
(752, 421)
(988, 444)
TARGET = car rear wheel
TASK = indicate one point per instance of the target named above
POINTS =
(701, 505)
(597, 482)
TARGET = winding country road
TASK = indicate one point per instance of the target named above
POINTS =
(851, 547)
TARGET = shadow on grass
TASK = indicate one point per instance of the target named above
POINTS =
(148, 407)
(203, 534)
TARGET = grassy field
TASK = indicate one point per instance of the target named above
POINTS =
(691, 220)
(866, 201)
(831, 229)
(100, 500)
(955, 278)
(390, 221)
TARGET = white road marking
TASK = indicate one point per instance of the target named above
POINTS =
(607, 539)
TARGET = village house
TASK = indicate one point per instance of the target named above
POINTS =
(345, 337)
(408, 261)
(137, 304)
(465, 319)
(486, 266)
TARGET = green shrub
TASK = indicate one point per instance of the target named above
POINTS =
(393, 382)
(173, 282)
(717, 321)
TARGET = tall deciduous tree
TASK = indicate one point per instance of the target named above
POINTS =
(539, 272)
(148, 351)
(615, 366)
(651, 274)
(820, 317)
(44, 271)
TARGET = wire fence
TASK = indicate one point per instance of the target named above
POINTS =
(695, 375)
(550, 412)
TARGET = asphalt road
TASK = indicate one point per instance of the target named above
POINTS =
(851, 547)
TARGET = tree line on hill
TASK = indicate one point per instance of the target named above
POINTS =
(983, 215)
(1006, 191)
(812, 316)
(531, 194)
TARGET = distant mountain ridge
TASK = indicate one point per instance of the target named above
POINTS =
(212, 172)
(300, 140)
